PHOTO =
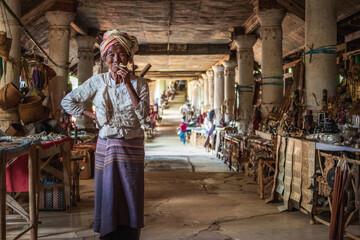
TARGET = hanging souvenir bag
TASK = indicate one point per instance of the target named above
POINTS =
(5, 45)
(5, 42)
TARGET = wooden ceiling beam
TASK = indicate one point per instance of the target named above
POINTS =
(183, 49)
(251, 24)
(173, 74)
(352, 36)
(293, 7)
(79, 26)
(37, 11)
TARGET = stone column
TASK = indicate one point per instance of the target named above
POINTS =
(206, 91)
(59, 37)
(210, 75)
(201, 93)
(195, 94)
(321, 70)
(13, 63)
(85, 71)
(245, 57)
(271, 58)
(161, 88)
(100, 67)
(158, 90)
(189, 91)
(229, 93)
(152, 92)
(218, 91)
(12, 30)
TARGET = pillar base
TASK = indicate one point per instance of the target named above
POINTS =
(218, 116)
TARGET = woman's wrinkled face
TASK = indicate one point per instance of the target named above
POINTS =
(116, 55)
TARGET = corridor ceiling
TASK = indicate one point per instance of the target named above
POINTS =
(180, 38)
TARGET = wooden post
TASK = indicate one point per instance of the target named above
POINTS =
(261, 179)
(32, 192)
(37, 183)
(67, 174)
(3, 197)
(246, 168)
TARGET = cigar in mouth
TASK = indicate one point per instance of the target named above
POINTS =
(121, 65)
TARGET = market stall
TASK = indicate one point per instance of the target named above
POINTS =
(39, 165)
(10, 153)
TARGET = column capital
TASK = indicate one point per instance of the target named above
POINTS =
(201, 81)
(59, 18)
(210, 74)
(229, 65)
(218, 68)
(85, 42)
(245, 41)
(271, 17)
(204, 76)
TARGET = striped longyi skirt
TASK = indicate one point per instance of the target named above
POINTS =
(119, 184)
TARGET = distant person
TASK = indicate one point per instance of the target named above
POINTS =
(183, 128)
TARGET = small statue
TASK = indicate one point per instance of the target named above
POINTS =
(324, 101)
(341, 116)
(309, 123)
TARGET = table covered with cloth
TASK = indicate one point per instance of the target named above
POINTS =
(17, 179)
(17, 175)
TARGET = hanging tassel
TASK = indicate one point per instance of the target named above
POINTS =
(5, 67)
(45, 78)
(1, 68)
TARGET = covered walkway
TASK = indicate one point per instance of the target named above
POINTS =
(189, 194)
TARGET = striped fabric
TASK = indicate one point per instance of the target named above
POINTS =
(119, 184)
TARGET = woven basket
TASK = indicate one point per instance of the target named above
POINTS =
(31, 109)
(5, 45)
(10, 96)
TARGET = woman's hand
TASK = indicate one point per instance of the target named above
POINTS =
(123, 75)
(92, 116)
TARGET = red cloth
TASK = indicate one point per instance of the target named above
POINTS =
(17, 179)
(183, 126)
(17, 174)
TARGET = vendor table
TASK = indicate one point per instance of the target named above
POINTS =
(234, 151)
(33, 152)
(303, 179)
(327, 159)
(8, 156)
(48, 151)
(261, 154)
(197, 137)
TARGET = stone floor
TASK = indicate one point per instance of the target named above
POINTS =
(189, 195)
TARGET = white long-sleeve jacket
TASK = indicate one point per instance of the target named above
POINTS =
(114, 110)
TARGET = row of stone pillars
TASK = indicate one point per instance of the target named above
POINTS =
(320, 30)
(217, 85)
(59, 37)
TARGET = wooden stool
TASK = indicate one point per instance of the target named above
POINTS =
(75, 193)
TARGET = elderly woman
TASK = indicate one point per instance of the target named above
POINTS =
(121, 100)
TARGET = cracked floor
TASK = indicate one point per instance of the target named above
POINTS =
(189, 195)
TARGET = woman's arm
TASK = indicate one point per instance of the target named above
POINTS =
(135, 99)
(72, 102)
(140, 102)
